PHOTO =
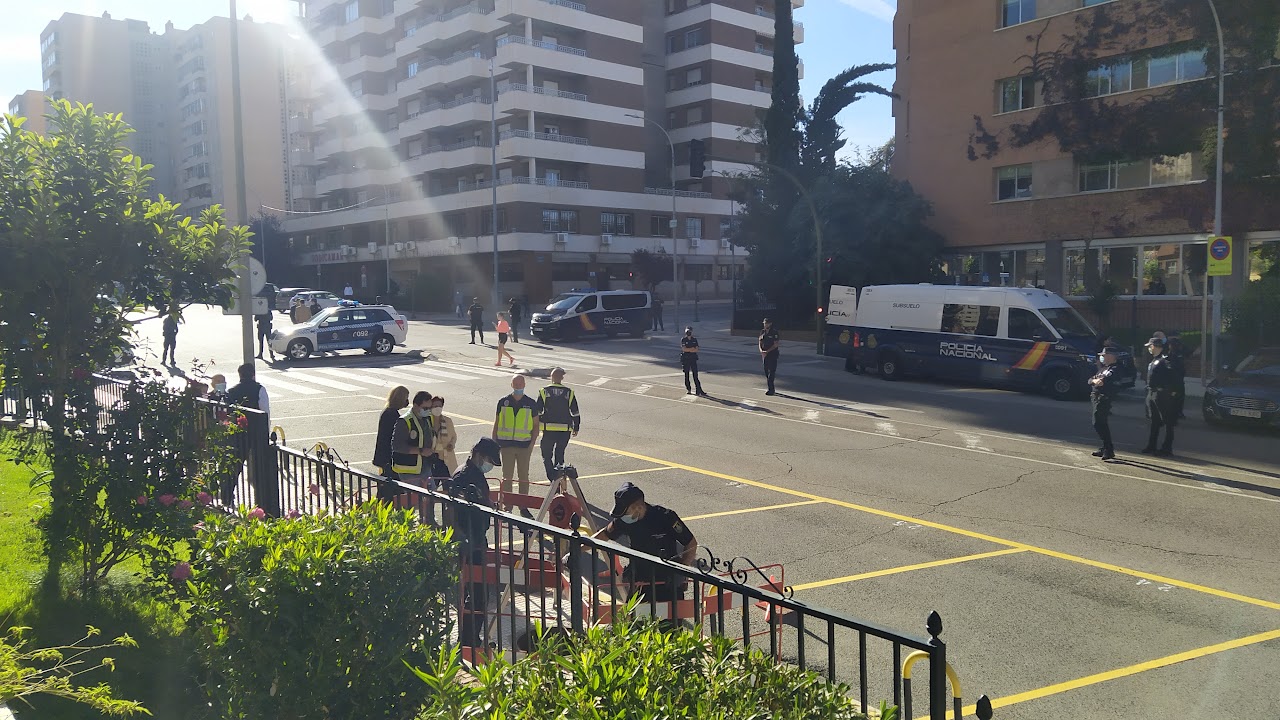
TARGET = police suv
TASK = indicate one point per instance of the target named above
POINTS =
(375, 329)
(1025, 338)
(594, 312)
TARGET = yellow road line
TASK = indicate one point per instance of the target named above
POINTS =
(1126, 671)
(751, 510)
(946, 528)
(623, 472)
(907, 568)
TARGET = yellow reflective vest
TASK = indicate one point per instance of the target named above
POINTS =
(515, 420)
(404, 463)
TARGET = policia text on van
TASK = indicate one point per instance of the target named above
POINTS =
(1024, 338)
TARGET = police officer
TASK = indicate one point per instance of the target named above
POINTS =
(770, 341)
(1162, 383)
(689, 362)
(560, 418)
(655, 530)
(470, 527)
(1103, 388)
(475, 314)
(411, 443)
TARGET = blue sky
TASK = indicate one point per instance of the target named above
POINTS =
(838, 34)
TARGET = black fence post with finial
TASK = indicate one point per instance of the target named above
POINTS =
(937, 668)
(984, 710)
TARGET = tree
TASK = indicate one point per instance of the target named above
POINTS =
(270, 244)
(822, 133)
(652, 268)
(83, 248)
(781, 122)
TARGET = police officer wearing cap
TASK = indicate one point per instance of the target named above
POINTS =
(655, 530)
(471, 527)
(1103, 388)
(1162, 385)
(557, 410)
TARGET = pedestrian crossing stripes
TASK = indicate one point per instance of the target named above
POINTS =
(311, 382)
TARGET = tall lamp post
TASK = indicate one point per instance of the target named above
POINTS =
(1217, 196)
(493, 178)
(675, 248)
(386, 234)
(244, 288)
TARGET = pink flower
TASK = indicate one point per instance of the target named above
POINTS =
(293, 514)
(204, 498)
(167, 499)
(242, 421)
(142, 500)
(314, 489)
(257, 513)
(185, 504)
(181, 571)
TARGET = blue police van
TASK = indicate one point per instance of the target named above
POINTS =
(574, 314)
(1023, 338)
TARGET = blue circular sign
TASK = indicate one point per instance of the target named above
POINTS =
(1220, 249)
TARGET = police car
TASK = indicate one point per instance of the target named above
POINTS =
(375, 329)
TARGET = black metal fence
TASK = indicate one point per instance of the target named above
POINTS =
(530, 573)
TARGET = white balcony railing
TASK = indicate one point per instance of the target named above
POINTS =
(679, 193)
(568, 4)
(539, 90)
(553, 137)
(474, 142)
(486, 184)
(545, 45)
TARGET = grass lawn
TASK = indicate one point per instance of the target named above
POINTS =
(158, 672)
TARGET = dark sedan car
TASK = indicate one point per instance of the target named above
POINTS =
(1249, 393)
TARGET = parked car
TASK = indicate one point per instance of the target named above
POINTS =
(1249, 393)
(376, 329)
(285, 297)
(323, 298)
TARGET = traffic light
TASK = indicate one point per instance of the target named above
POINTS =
(697, 158)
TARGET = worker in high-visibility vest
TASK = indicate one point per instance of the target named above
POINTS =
(412, 445)
(560, 418)
(515, 428)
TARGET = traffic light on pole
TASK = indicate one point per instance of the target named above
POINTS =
(697, 158)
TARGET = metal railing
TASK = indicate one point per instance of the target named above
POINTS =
(539, 90)
(461, 144)
(518, 572)
(545, 45)
(567, 4)
(679, 193)
(552, 137)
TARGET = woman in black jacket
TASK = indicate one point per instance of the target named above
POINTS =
(397, 400)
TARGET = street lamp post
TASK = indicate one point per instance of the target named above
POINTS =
(675, 248)
(386, 235)
(493, 178)
(244, 288)
(1217, 197)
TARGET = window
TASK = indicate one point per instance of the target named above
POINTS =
(411, 70)
(413, 108)
(570, 272)
(455, 224)
(1172, 169)
(393, 120)
(1109, 79)
(1180, 67)
(352, 11)
(1026, 325)
(486, 221)
(981, 320)
(617, 223)
(415, 148)
(559, 220)
(660, 225)
(388, 7)
(356, 87)
(1013, 182)
(588, 304)
(622, 301)
(200, 149)
(693, 227)
(693, 77)
(695, 37)
(671, 44)
(551, 177)
(693, 116)
(1017, 93)
(1017, 12)
(1114, 175)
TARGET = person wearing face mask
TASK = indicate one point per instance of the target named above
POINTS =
(412, 445)
(470, 528)
(446, 437)
(397, 400)
(689, 362)
(1162, 382)
(1103, 388)
(218, 387)
(655, 530)
(515, 429)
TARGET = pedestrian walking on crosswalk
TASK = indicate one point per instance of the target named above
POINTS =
(504, 328)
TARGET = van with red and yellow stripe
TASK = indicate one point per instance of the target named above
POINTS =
(1023, 338)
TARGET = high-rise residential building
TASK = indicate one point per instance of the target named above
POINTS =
(562, 108)
(971, 75)
(30, 105)
(174, 89)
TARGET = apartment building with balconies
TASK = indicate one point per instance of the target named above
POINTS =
(32, 106)
(1028, 213)
(432, 109)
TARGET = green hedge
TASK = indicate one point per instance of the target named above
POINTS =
(312, 617)
(634, 671)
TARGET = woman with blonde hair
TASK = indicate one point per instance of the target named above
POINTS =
(445, 433)
(504, 329)
(397, 400)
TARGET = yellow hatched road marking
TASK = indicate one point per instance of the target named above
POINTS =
(907, 568)
(624, 472)
(751, 510)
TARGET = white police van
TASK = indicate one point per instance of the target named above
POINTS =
(1025, 338)
(594, 312)
(375, 329)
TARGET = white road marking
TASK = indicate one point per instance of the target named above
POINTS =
(419, 372)
(642, 389)
(888, 428)
(324, 382)
(272, 382)
(750, 404)
(1076, 456)
(811, 416)
(357, 377)
(653, 377)
(598, 382)
(488, 371)
(973, 442)
(690, 398)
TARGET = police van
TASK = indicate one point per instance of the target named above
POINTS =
(594, 312)
(1024, 338)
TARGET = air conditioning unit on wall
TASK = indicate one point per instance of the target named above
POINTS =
(347, 250)
(454, 242)
(399, 247)
(411, 246)
(562, 238)
(606, 239)
(694, 242)
(725, 244)
(373, 248)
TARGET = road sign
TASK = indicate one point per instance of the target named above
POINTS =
(1219, 264)
(842, 305)
(257, 274)
(260, 306)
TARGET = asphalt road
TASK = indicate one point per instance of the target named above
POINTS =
(1068, 587)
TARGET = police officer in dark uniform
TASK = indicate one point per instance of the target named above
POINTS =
(475, 314)
(1103, 388)
(471, 526)
(657, 531)
(769, 343)
(1162, 386)
(689, 362)
(557, 410)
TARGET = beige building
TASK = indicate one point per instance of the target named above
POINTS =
(30, 105)
(1034, 215)
(174, 89)
(409, 112)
